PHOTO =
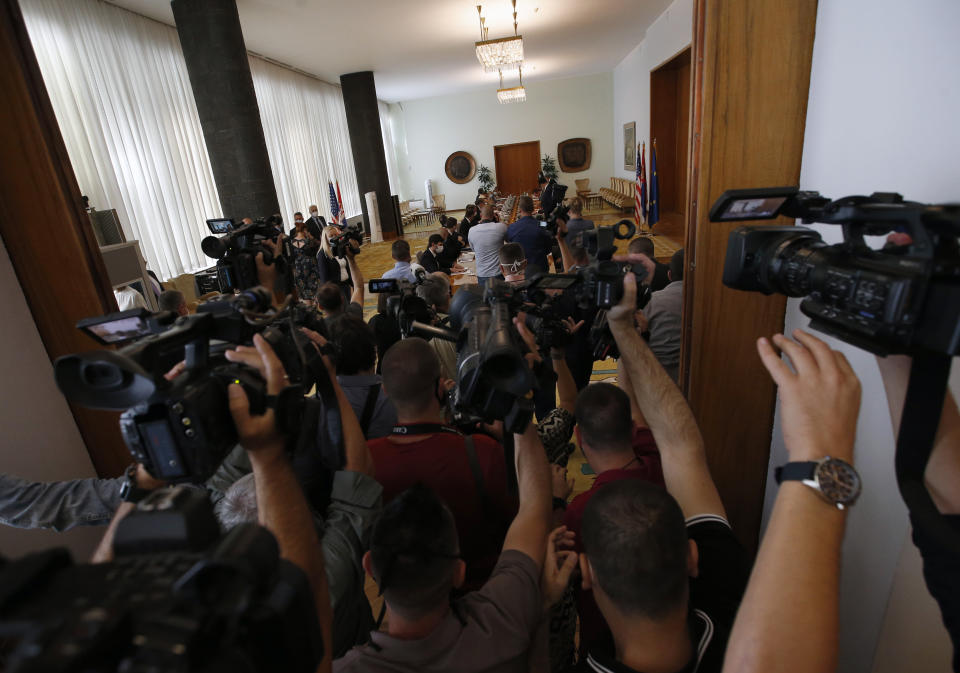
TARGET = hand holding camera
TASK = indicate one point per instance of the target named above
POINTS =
(257, 433)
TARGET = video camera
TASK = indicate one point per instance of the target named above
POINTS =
(178, 597)
(340, 242)
(237, 248)
(561, 212)
(901, 299)
(181, 430)
(403, 304)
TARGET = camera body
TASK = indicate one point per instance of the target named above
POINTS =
(404, 305)
(901, 299)
(561, 212)
(181, 430)
(178, 597)
(237, 248)
(340, 242)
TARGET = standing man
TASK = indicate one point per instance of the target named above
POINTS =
(643, 245)
(576, 225)
(470, 219)
(664, 320)
(486, 239)
(534, 239)
(316, 223)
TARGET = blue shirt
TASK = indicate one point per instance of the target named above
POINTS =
(535, 241)
(401, 270)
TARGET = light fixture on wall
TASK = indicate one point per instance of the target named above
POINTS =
(505, 53)
(514, 94)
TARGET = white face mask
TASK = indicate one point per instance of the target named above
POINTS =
(439, 249)
(299, 220)
(313, 213)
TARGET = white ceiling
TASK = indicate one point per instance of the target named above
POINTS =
(421, 48)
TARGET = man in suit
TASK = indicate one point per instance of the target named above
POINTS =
(315, 223)
(534, 239)
(430, 259)
(644, 246)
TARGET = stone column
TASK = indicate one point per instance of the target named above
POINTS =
(216, 57)
(366, 142)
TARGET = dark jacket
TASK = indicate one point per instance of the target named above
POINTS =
(535, 241)
(329, 269)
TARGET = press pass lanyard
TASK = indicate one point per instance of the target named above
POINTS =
(425, 429)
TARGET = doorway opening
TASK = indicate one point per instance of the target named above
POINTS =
(670, 127)
(517, 165)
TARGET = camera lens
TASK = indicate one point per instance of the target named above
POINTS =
(792, 263)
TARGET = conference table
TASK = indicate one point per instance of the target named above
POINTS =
(469, 276)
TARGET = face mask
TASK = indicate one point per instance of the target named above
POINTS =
(439, 249)
(298, 220)
(313, 213)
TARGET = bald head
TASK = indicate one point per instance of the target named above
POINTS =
(410, 371)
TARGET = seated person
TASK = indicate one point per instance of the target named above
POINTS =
(663, 317)
(173, 300)
(576, 225)
(452, 245)
(417, 559)
(430, 259)
(643, 245)
(665, 568)
(470, 218)
(400, 251)
(535, 240)
(435, 290)
(468, 473)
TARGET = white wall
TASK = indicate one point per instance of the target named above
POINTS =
(668, 35)
(555, 110)
(40, 439)
(881, 116)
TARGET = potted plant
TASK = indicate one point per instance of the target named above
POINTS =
(485, 176)
(548, 167)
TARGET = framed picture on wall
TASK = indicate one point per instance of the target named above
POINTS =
(630, 146)
(574, 155)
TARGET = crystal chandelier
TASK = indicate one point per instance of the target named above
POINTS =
(514, 94)
(505, 53)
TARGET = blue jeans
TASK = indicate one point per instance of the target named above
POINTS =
(483, 279)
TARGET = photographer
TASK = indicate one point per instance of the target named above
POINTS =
(337, 270)
(467, 472)
(668, 588)
(330, 296)
(576, 225)
(435, 290)
(486, 239)
(282, 507)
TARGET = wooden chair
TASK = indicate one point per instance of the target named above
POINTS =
(583, 188)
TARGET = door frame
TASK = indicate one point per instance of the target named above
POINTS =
(496, 158)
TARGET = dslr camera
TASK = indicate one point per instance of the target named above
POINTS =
(178, 597)
(181, 430)
(340, 242)
(898, 299)
(236, 249)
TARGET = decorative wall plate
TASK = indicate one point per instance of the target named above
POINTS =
(573, 155)
(460, 167)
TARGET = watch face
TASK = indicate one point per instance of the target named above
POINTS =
(838, 481)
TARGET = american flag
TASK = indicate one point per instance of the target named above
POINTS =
(640, 198)
(343, 213)
(334, 208)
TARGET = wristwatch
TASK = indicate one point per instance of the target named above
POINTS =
(835, 480)
(129, 491)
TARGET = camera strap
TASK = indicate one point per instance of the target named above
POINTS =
(424, 429)
(929, 376)
(373, 394)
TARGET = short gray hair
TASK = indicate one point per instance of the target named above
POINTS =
(239, 503)
(435, 290)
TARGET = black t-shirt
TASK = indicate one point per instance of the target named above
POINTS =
(451, 250)
(715, 596)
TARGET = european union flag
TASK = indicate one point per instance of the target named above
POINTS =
(653, 215)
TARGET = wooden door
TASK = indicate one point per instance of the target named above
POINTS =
(670, 125)
(517, 166)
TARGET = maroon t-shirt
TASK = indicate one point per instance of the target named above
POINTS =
(594, 632)
(440, 462)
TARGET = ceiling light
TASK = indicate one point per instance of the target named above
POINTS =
(514, 94)
(505, 53)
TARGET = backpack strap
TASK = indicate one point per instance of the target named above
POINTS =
(373, 394)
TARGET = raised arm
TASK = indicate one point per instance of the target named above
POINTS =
(565, 255)
(355, 275)
(566, 386)
(283, 509)
(799, 560)
(685, 470)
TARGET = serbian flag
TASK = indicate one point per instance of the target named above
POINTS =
(640, 198)
(343, 213)
(334, 207)
(654, 215)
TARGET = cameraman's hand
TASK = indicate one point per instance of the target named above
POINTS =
(622, 314)
(520, 323)
(266, 273)
(558, 565)
(821, 399)
(320, 342)
(257, 433)
(639, 258)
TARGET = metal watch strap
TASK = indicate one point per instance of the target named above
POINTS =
(799, 471)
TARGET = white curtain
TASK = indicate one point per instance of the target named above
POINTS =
(119, 87)
(305, 126)
(389, 129)
(120, 90)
